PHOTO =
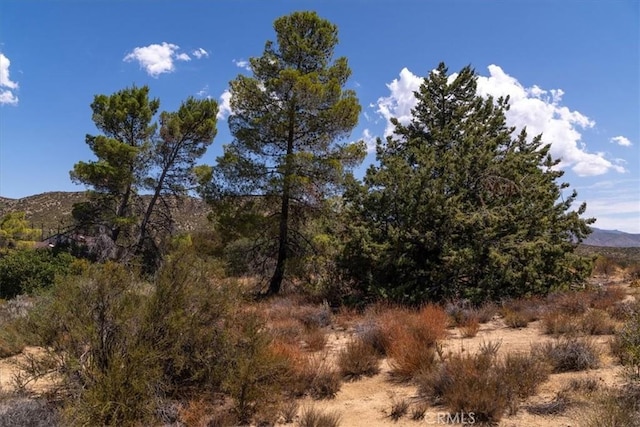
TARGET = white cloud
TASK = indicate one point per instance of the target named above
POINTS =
(621, 140)
(242, 64)
(200, 53)
(7, 86)
(369, 140)
(224, 108)
(401, 100)
(538, 109)
(157, 59)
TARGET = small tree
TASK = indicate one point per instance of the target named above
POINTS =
(286, 120)
(14, 229)
(459, 208)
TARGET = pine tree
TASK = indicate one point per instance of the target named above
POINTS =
(287, 120)
(459, 207)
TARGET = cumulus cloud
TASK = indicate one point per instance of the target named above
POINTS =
(401, 100)
(157, 59)
(540, 110)
(200, 53)
(7, 86)
(621, 140)
(242, 64)
(224, 107)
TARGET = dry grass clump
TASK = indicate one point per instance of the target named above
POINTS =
(399, 408)
(518, 313)
(558, 405)
(606, 297)
(570, 354)
(597, 322)
(470, 326)
(359, 358)
(572, 302)
(323, 382)
(556, 322)
(484, 384)
(315, 339)
(410, 338)
(24, 411)
(311, 417)
(614, 408)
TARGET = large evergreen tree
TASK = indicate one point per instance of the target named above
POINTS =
(460, 207)
(287, 121)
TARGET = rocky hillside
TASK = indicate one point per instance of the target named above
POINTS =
(52, 211)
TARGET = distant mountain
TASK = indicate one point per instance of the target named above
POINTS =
(51, 211)
(612, 239)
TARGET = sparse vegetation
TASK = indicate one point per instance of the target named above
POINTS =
(358, 359)
(311, 417)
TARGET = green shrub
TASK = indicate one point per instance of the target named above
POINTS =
(121, 347)
(27, 270)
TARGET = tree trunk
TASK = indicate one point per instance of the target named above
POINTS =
(276, 281)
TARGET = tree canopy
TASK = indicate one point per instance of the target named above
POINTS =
(287, 121)
(461, 207)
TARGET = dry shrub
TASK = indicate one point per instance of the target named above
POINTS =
(288, 330)
(314, 316)
(597, 322)
(470, 327)
(486, 312)
(622, 310)
(418, 411)
(412, 339)
(556, 323)
(322, 381)
(572, 302)
(468, 383)
(311, 417)
(527, 309)
(606, 297)
(614, 408)
(315, 339)
(604, 266)
(515, 319)
(570, 354)
(24, 411)
(357, 359)
(626, 344)
(484, 384)
(206, 413)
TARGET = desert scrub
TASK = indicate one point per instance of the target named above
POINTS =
(568, 354)
(626, 344)
(120, 346)
(357, 359)
(411, 338)
(484, 383)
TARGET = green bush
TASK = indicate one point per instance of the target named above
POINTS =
(26, 270)
(121, 347)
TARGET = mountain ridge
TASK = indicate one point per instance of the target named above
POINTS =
(51, 211)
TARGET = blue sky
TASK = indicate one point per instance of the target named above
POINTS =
(572, 69)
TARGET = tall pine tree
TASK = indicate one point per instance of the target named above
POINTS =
(287, 121)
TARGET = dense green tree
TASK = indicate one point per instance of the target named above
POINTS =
(133, 159)
(460, 207)
(287, 121)
(14, 229)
